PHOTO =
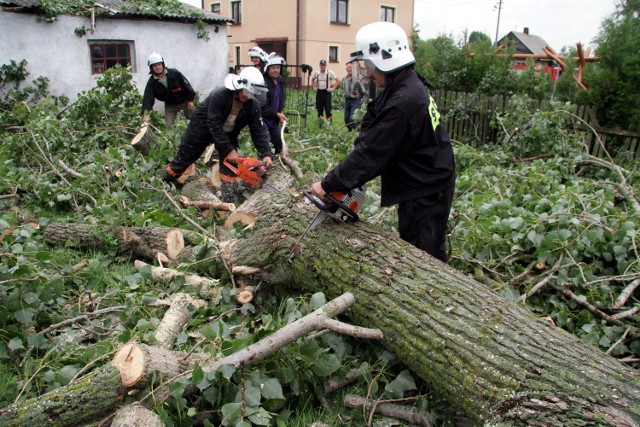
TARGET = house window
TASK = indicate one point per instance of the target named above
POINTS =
(339, 11)
(236, 12)
(333, 53)
(107, 54)
(215, 8)
(387, 14)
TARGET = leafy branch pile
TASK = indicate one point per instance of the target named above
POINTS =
(534, 217)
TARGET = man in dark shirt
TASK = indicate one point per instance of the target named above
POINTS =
(171, 87)
(218, 120)
(401, 139)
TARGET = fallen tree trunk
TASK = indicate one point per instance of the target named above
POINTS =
(492, 359)
(77, 403)
(148, 243)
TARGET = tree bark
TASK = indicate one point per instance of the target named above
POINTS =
(492, 359)
(136, 415)
(81, 401)
(175, 318)
(139, 242)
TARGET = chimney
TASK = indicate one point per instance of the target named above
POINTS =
(526, 30)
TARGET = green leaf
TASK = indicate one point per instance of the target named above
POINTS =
(30, 297)
(212, 395)
(260, 418)
(231, 414)
(25, 316)
(325, 365)
(402, 383)
(68, 372)
(197, 377)
(227, 370)
(317, 300)
(272, 389)
(15, 344)
(37, 341)
(252, 395)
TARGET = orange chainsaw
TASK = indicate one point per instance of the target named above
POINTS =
(342, 206)
(251, 171)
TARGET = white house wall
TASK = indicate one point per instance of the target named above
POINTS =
(53, 50)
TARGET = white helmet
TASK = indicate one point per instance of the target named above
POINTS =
(250, 80)
(385, 44)
(257, 51)
(274, 59)
(155, 58)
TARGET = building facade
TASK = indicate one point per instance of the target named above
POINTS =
(304, 31)
(74, 51)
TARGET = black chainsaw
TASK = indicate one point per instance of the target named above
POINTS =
(342, 206)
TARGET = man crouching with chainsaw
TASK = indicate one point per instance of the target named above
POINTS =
(219, 119)
(402, 140)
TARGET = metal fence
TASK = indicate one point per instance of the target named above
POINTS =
(469, 119)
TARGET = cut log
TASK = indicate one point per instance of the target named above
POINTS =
(279, 181)
(493, 359)
(143, 140)
(146, 243)
(174, 243)
(137, 364)
(175, 318)
(79, 402)
(136, 415)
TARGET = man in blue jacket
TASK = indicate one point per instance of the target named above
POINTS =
(402, 140)
(171, 87)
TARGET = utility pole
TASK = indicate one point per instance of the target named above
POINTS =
(498, 25)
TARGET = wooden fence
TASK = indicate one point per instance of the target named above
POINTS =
(469, 118)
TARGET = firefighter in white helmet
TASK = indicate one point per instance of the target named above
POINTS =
(169, 86)
(218, 120)
(258, 57)
(403, 140)
(276, 96)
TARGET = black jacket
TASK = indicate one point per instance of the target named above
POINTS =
(208, 118)
(178, 91)
(268, 112)
(402, 139)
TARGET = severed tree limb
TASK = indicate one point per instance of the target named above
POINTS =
(335, 383)
(204, 286)
(207, 204)
(593, 309)
(318, 319)
(136, 415)
(627, 313)
(284, 155)
(626, 293)
(68, 170)
(387, 409)
(189, 220)
(175, 318)
(620, 341)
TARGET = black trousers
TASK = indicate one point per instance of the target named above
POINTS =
(323, 103)
(423, 222)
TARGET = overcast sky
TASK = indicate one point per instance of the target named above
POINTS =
(559, 22)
